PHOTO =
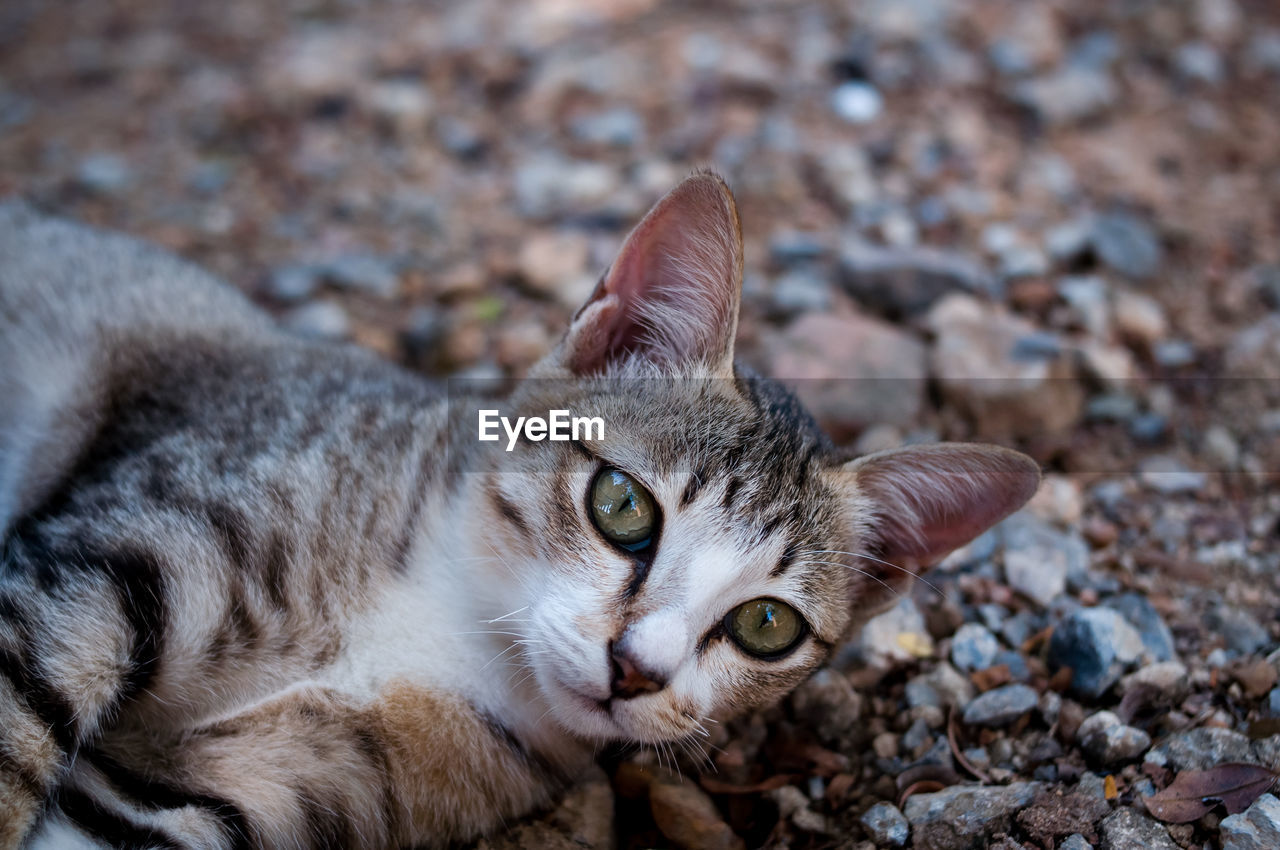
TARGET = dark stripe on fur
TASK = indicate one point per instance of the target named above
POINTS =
(418, 498)
(509, 511)
(151, 794)
(102, 823)
(784, 563)
(50, 707)
(731, 492)
(691, 489)
(324, 826)
(139, 580)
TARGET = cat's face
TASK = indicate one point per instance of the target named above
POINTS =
(711, 550)
(686, 567)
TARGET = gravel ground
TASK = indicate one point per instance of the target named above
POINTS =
(1050, 224)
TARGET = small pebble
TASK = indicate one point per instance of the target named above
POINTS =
(886, 825)
(1001, 706)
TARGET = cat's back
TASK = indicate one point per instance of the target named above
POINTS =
(67, 278)
(120, 361)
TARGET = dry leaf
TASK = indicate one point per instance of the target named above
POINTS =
(1194, 793)
(991, 678)
(1109, 790)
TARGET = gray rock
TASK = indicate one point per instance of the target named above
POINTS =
(1106, 740)
(962, 816)
(1273, 702)
(1039, 558)
(1127, 244)
(1241, 631)
(857, 102)
(1256, 828)
(1199, 62)
(827, 703)
(1097, 50)
(905, 20)
(1173, 353)
(547, 185)
(1263, 51)
(1255, 351)
(1075, 841)
(1168, 475)
(362, 273)
(801, 290)
(1098, 644)
(1087, 297)
(852, 371)
(1125, 829)
(941, 687)
(973, 647)
(917, 735)
(1023, 261)
(104, 173)
(898, 282)
(886, 825)
(460, 138)
(319, 320)
(1168, 679)
(1143, 616)
(619, 126)
(1069, 240)
(1001, 706)
(790, 247)
(293, 283)
(1200, 749)
(1070, 94)
(975, 367)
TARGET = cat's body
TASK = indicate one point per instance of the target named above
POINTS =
(258, 591)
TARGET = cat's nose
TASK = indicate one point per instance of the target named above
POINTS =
(630, 679)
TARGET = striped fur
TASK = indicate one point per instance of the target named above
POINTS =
(260, 592)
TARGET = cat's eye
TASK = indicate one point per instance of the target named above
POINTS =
(765, 627)
(622, 509)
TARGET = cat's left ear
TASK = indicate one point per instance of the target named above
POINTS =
(671, 296)
(913, 506)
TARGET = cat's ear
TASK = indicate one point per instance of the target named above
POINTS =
(913, 506)
(671, 296)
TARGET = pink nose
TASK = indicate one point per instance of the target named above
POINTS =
(629, 678)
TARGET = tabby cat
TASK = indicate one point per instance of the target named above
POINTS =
(259, 591)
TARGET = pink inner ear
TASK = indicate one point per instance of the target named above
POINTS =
(672, 294)
(931, 500)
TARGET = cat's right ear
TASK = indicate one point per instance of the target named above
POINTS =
(911, 507)
(670, 298)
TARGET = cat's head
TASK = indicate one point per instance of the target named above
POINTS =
(713, 548)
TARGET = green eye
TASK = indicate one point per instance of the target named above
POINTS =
(622, 509)
(765, 627)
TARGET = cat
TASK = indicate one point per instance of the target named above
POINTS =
(260, 591)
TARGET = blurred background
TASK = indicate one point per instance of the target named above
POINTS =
(1053, 223)
(1006, 218)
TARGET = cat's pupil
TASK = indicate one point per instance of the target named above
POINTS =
(765, 626)
(622, 509)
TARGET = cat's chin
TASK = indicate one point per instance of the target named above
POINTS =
(602, 721)
(579, 714)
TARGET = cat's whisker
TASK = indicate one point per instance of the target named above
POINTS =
(505, 616)
(867, 557)
(871, 576)
(488, 632)
(499, 655)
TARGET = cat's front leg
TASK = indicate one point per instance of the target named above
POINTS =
(310, 768)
